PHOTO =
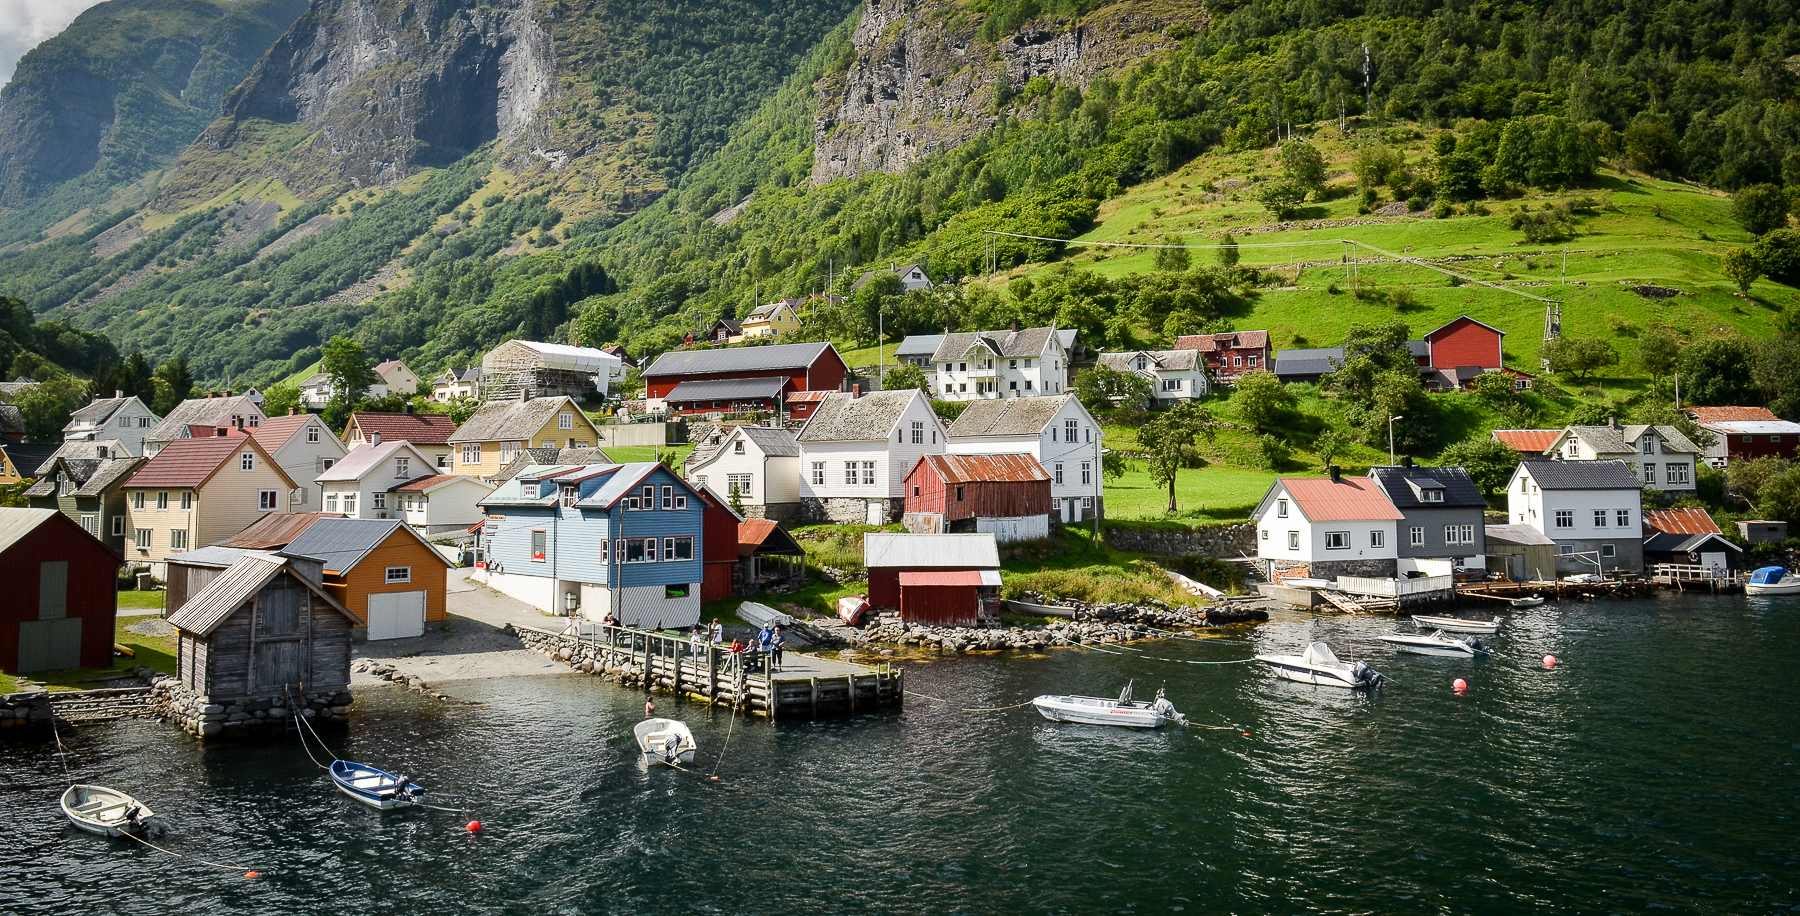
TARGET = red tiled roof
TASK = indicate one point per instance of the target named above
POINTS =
(426, 483)
(1206, 343)
(1681, 521)
(986, 468)
(276, 431)
(1530, 441)
(1730, 414)
(417, 428)
(186, 463)
(1347, 499)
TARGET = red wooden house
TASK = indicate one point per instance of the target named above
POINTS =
(1467, 342)
(718, 546)
(62, 593)
(741, 378)
(1230, 354)
(936, 579)
(963, 488)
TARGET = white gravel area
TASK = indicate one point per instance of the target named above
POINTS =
(469, 645)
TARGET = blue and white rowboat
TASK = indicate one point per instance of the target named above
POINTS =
(375, 788)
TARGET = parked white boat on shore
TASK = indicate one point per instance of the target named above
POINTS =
(1526, 602)
(1437, 642)
(665, 741)
(1319, 665)
(103, 811)
(1103, 711)
(1459, 625)
(1772, 580)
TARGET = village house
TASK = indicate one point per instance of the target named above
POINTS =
(121, 420)
(428, 432)
(453, 383)
(200, 417)
(570, 456)
(62, 594)
(942, 580)
(1660, 455)
(1689, 537)
(1521, 553)
(12, 424)
(391, 377)
(24, 461)
(90, 491)
(757, 466)
(1175, 376)
(303, 447)
(440, 504)
(856, 450)
(393, 481)
(538, 370)
(1762, 531)
(718, 546)
(917, 350)
(912, 277)
(1007, 496)
(1229, 355)
(977, 365)
(775, 319)
(382, 572)
(1530, 443)
(1745, 433)
(1589, 508)
(625, 540)
(1329, 526)
(1443, 516)
(494, 435)
(1057, 431)
(198, 491)
(744, 378)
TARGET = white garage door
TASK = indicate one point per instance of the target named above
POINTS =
(396, 615)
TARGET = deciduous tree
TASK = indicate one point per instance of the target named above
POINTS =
(1579, 355)
(1171, 440)
(1261, 399)
(1489, 461)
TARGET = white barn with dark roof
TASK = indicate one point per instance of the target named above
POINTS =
(1591, 509)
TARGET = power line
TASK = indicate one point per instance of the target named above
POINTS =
(1040, 238)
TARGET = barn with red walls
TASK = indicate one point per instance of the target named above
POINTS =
(1467, 342)
(718, 546)
(800, 367)
(979, 486)
(62, 593)
(887, 555)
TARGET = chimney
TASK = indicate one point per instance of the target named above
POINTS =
(293, 410)
(1612, 422)
(1015, 325)
(1406, 461)
(1337, 474)
(409, 407)
(118, 395)
(375, 438)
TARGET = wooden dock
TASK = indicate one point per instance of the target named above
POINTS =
(805, 686)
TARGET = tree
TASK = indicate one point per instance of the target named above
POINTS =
(1495, 389)
(1489, 461)
(1739, 265)
(1282, 198)
(1373, 163)
(350, 372)
(461, 408)
(1261, 399)
(1170, 439)
(131, 377)
(175, 383)
(737, 499)
(1658, 351)
(46, 407)
(1780, 496)
(1719, 370)
(1274, 450)
(280, 398)
(1228, 251)
(1778, 253)
(1330, 444)
(1760, 208)
(906, 376)
(1579, 355)
(1171, 260)
(1303, 165)
(1651, 144)
(1102, 388)
(1114, 465)
(1748, 477)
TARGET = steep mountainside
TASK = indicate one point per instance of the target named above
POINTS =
(117, 96)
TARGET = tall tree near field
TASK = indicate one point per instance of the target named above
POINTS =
(1303, 165)
(1171, 260)
(1719, 370)
(1739, 265)
(1579, 355)
(1171, 440)
(1489, 461)
(351, 373)
(1228, 250)
(1330, 444)
(1658, 351)
(175, 383)
(279, 398)
(1760, 208)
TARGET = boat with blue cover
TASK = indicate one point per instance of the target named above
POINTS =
(375, 788)
(1772, 580)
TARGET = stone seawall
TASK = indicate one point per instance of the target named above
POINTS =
(1224, 542)
(838, 510)
(207, 717)
(27, 710)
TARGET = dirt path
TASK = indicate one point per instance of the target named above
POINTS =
(470, 644)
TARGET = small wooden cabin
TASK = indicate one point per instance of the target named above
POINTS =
(263, 626)
(964, 488)
(61, 593)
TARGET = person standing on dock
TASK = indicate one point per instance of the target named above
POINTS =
(695, 644)
(718, 632)
(776, 641)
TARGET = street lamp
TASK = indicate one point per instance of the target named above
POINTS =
(1391, 439)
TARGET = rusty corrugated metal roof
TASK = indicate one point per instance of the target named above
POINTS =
(274, 531)
(954, 469)
(1347, 499)
(1531, 441)
(1729, 414)
(1681, 521)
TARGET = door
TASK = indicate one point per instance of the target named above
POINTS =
(877, 512)
(396, 615)
(49, 645)
(1714, 560)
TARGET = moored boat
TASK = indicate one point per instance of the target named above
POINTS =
(103, 811)
(1528, 601)
(1030, 609)
(665, 741)
(1436, 643)
(1772, 580)
(1459, 625)
(373, 787)
(1123, 711)
(1319, 665)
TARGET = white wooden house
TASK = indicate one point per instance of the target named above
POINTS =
(1591, 509)
(361, 484)
(393, 377)
(121, 421)
(1057, 431)
(302, 446)
(1175, 376)
(855, 453)
(1661, 456)
(443, 503)
(1329, 526)
(1019, 363)
(761, 464)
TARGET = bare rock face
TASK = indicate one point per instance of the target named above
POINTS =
(923, 82)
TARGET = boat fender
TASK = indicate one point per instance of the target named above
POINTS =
(1459, 685)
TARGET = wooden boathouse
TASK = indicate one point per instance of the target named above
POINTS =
(805, 686)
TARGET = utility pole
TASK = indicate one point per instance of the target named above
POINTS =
(1391, 439)
(1565, 267)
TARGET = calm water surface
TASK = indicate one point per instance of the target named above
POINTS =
(1656, 769)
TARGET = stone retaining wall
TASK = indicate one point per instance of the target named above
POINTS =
(27, 710)
(207, 717)
(1224, 542)
(839, 510)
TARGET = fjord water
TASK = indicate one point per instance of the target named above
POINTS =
(1657, 767)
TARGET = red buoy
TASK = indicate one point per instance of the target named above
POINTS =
(251, 874)
(474, 826)
(1549, 661)
(1459, 685)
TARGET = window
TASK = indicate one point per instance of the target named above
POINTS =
(1416, 536)
(247, 461)
(1565, 549)
(1171, 384)
(1573, 450)
(1142, 362)
(471, 453)
(349, 503)
(1431, 495)
(738, 483)
(1087, 502)
(737, 448)
(402, 468)
(90, 524)
(1565, 518)
(1012, 386)
(118, 528)
(850, 473)
(1675, 473)
(962, 367)
(868, 475)
(668, 497)
(1377, 539)
(606, 551)
(1293, 540)
(676, 590)
(1337, 540)
(143, 422)
(1087, 434)
(899, 436)
(649, 492)
(162, 500)
(681, 500)
(1624, 518)
(399, 574)
(1265, 534)
(681, 548)
(506, 453)
(141, 538)
(312, 434)
(918, 430)
(443, 461)
(1459, 534)
(818, 473)
(1069, 427)
(1648, 444)
(637, 550)
(1649, 472)
(267, 500)
(1087, 473)
(1281, 508)
(1027, 384)
(539, 540)
(137, 500)
(1059, 477)
(565, 420)
(178, 538)
(331, 502)
(1599, 518)
(379, 500)
(187, 499)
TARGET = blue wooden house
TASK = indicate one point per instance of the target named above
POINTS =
(624, 539)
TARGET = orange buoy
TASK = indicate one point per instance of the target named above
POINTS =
(251, 874)
(1549, 661)
(474, 826)
(1459, 685)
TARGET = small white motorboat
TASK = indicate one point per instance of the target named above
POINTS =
(1772, 580)
(1531, 601)
(665, 741)
(1436, 643)
(1102, 711)
(1319, 665)
(375, 788)
(103, 811)
(1459, 625)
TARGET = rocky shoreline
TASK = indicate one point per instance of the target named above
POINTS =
(1101, 623)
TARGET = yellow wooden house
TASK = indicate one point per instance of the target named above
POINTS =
(497, 433)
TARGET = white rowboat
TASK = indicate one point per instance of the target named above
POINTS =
(1319, 665)
(1123, 711)
(1436, 643)
(375, 788)
(103, 811)
(1532, 601)
(665, 741)
(1459, 625)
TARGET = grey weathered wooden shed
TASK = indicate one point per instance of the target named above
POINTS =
(261, 628)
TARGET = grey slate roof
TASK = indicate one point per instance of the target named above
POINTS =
(842, 417)
(201, 412)
(12, 422)
(775, 442)
(1163, 360)
(1009, 344)
(1582, 475)
(736, 359)
(342, 542)
(1459, 490)
(1009, 417)
(221, 598)
(1607, 440)
(1661, 542)
(1518, 536)
(92, 476)
(1315, 361)
(726, 389)
(925, 345)
(498, 421)
(30, 458)
(97, 412)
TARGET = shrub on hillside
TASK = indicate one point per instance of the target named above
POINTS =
(1778, 253)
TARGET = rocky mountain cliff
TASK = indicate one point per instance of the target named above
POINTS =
(923, 82)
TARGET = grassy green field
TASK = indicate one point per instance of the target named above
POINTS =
(674, 455)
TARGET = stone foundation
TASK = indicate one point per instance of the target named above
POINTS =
(1224, 542)
(25, 711)
(1331, 569)
(208, 717)
(837, 510)
(777, 512)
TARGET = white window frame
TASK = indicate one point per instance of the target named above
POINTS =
(1623, 517)
(312, 434)
(162, 500)
(1377, 539)
(247, 461)
(268, 500)
(404, 574)
(1281, 508)
(1675, 474)
(1416, 537)
(1293, 540)
(1608, 552)
(868, 473)
(818, 473)
(140, 538)
(565, 420)
(1337, 540)
(118, 526)
(187, 499)
(378, 499)
(849, 473)
(178, 538)
(1565, 518)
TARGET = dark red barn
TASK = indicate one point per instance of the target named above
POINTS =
(62, 593)
(718, 546)
(963, 488)
(963, 583)
(741, 378)
(1467, 342)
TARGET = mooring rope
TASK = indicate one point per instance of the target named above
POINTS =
(926, 696)
(60, 753)
(999, 708)
(247, 872)
(714, 775)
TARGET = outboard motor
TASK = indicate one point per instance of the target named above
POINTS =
(1166, 709)
(1366, 676)
(1475, 643)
